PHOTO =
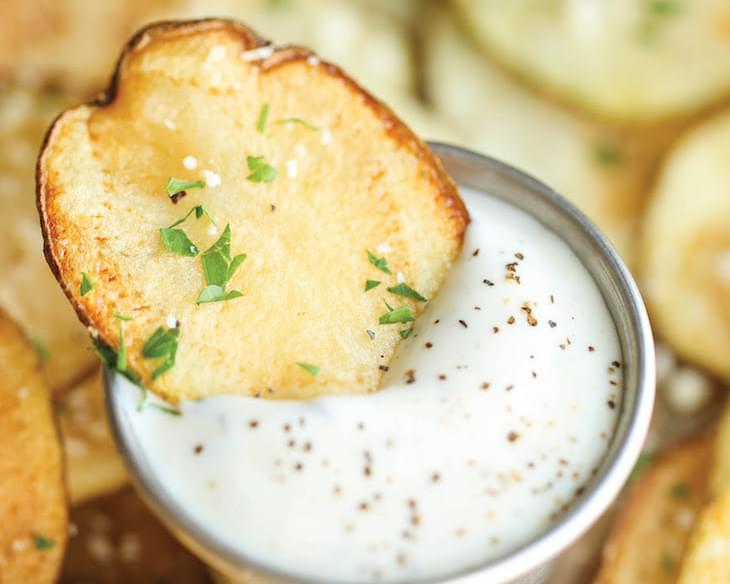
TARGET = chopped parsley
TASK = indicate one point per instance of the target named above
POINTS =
(87, 285)
(176, 240)
(644, 461)
(402, 314)
(313, 370)
(177, 185)
(405, 333)
(162, 345)
(40, 349)
(261, 171)
(679, 491)
(666, 562)
(370, 284)
(219, 267)
(299, 121)
(116, 360)
(263, 118)
(607, 154)
(165, 409)
(380, 263)
(406, 291)
(43, 543)
(124, 317)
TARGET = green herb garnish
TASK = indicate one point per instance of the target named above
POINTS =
(162, 345)
(116, 360)
(370, 284)
(299, 121)
(43, 543)
(165, 409)
(124, 317)
(607, 154)
(177, 185)
(405, 333)
(219, 268)
(40, 349)
(261, 171)
(406, 291)
(399, 315)
(263, 118)
(176, 240)
(380, 263)
(313, 370)
(86, 284)
(666, 561)
(644, 461)
(679, 491)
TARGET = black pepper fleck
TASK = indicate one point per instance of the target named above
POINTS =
(513, 436)
(475, 252)
(198, 448)
(429, 345)
(487, 282)
(462, 323)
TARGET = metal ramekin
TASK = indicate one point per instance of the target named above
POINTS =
(531, 562)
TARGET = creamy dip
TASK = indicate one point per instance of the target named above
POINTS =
(493, 417)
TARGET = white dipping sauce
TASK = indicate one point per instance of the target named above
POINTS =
(483, 434)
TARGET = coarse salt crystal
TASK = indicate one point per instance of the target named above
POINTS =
(257, 54)
(171, 321)
(19, 545)
(169, 124)
(212, 230)
(722, 265)
(688, 390)
(383, 248)
(291, 168)
(313, 60)
(212, 180)
(216, 78)
(217, 53)
(190, 162)
(326, 137)
(299, 149)
(23, 392)
(75, 447)
(401, 277)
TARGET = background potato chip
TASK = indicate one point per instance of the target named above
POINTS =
(685, 267)
(629, 60)
(93, 466)
(28, 290)
(32, 494)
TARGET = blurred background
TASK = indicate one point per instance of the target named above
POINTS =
(621, 106)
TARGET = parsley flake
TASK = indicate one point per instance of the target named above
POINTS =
(679, 491)
(116, 360)
(380, 263)
(313, 370)
(43, 543)
(299, 121)
(402, 314)
(165, 409)
(40, 348)
(405, 333)
(406, 291)
(219, 268)
(176, 240)
(124, 317)
(162, 345)
(370, 284)
(261, 171)
(87, 285)
(607, 154)
(263, 118)
(178, 185)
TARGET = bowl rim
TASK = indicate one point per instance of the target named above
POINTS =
(477, 171)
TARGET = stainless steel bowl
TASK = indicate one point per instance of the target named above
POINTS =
(531, 562)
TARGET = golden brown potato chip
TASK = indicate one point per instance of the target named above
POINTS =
(685, 268)
(32, 494)
(708, 556)
(649, 536)
(117, 540)
(93, 465)
(320, 185)
(629, 60)
(28, 289)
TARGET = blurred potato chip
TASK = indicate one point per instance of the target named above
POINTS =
(649, 536)
(32, 495)
(76, 42)
(626, 59)
(686, 247)
(720, 475)
(28, 290)
(117, 540)
(600, 169)
(708, 556)
(93, 466)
